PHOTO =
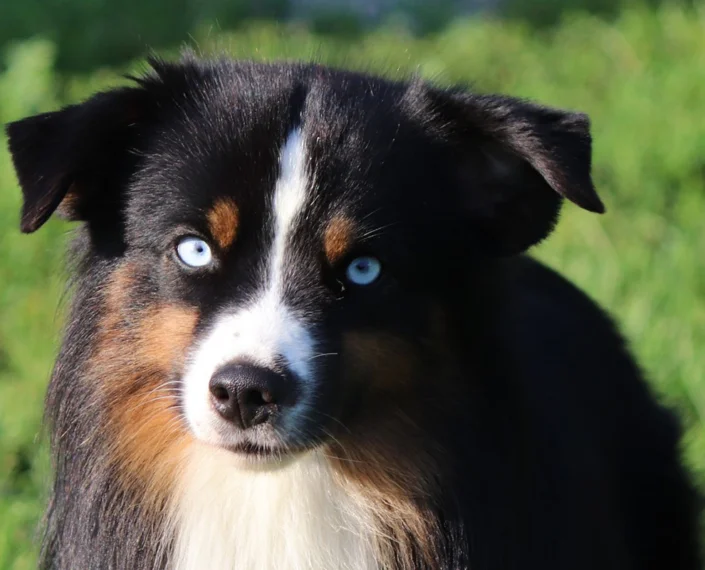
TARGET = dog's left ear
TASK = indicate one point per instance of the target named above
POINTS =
(514, 163)
(69, 159)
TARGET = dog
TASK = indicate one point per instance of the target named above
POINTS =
(304, 334)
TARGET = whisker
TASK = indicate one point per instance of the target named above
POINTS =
(378, 230)
(346, 428)
(145, 403)
(321, 355)
(372, 213)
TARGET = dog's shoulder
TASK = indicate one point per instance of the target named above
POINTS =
(589, 401)
(566, 348)
(542, 306)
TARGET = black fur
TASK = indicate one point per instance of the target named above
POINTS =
(552, 452)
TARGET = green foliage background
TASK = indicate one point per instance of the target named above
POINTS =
(641, 77)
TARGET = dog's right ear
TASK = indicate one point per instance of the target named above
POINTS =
(65, 159)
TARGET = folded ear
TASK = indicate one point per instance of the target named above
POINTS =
(515, 161)
(69, 157)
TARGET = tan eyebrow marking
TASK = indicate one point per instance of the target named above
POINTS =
(338, 238)
(223, 219)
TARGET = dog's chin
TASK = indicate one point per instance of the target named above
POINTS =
(259, 458)
(254, 457)
(260, 449)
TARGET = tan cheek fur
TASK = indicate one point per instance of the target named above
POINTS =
(383, 361)
(223, 219)
(374, 458)
(394, 487)
(136, 358)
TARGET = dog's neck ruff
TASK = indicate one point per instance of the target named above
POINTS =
(296, 517)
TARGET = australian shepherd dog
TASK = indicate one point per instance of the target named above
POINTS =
(304, 335)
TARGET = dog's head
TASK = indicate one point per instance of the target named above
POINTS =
(277, 251)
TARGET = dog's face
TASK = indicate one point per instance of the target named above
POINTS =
(280, 252)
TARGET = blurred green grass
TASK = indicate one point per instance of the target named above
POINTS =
(640, 77)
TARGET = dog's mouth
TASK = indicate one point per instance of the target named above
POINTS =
(254, 450)
(253, 455)
(262, 444)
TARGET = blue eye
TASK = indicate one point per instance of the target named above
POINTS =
(194, 252)
(363, 270)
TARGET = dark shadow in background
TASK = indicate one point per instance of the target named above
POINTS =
(91, 33)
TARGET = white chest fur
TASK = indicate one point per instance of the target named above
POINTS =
(297, 517)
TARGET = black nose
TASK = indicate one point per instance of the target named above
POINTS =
(248, 395)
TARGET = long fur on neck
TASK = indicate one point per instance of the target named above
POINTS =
(295, 517)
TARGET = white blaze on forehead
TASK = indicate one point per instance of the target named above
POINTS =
(289, 199)
(266, 329)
